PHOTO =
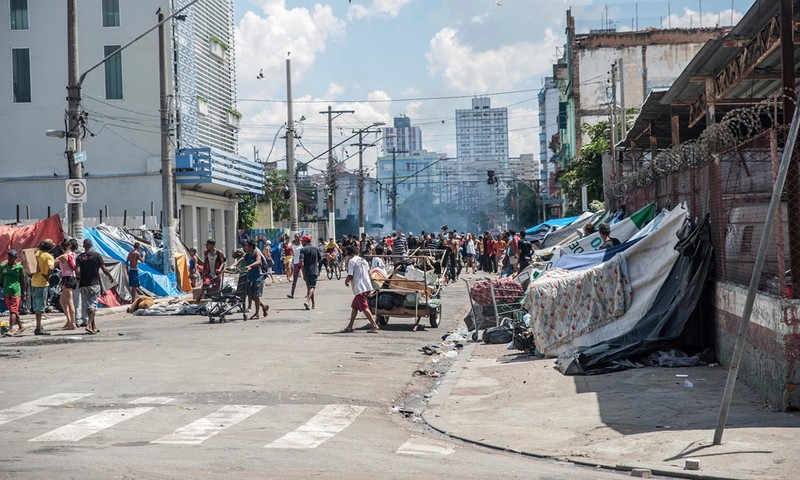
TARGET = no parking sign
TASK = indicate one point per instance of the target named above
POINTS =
(76, 190)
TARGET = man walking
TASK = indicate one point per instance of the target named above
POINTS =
(213, 265)
(13, 279)
(358, 277)
(311, 258)
(255, 278)
(132, 266)
(40, 281)
(89, 265)
(297, 266)
(400, 245)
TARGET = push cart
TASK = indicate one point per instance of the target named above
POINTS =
(416, 298)
(491, 301)
(228, 301)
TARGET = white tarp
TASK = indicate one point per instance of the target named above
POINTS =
(649, 262)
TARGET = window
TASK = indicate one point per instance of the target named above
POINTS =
(19, 14)
(21, 73)
(111, 13)
(113, 73)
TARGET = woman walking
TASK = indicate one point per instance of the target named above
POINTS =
(69, 282)
(469, 252)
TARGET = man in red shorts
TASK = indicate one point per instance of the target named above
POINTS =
(358, 277)
(13, 281)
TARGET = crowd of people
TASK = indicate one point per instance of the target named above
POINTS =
(78, 280)
(505, 254)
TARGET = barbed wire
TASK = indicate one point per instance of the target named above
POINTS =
(735, 128)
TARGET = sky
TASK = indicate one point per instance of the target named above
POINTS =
(420, 58)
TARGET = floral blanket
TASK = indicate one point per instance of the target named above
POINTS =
(566, 304)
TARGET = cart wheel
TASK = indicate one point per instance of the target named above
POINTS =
(475, 336)
(382, 320)
(433, 317)
(222, 319)
(244, 315)
(210, 319)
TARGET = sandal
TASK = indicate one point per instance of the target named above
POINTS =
(346, 330)
(254, 316)
(265, 309)
(374, 330)
(89, 331)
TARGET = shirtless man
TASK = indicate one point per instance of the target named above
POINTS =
(132, 266)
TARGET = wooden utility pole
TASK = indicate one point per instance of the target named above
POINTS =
(331, 171)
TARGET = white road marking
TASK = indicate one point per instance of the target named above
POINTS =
(416, 446)
(151, 401)
(331, 420)
(30, 408)
(90, 425)
(201, 430)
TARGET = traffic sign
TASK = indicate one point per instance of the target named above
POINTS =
(79, 157)
(76, 190)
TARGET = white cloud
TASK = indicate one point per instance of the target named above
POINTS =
(263, 42)
(334, 90)
(479, 19)
(470, 71)
(693, 19)
(378, 8)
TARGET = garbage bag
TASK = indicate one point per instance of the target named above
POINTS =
(502, 333)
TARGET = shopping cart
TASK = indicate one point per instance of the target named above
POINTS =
(491, 301)
(227, 300)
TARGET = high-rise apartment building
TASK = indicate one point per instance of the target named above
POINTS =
(121, 104)
(482, 146)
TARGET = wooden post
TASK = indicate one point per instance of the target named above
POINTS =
(17, 213)
(124, 218)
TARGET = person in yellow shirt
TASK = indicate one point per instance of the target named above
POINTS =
(40, 281)
(332, 251)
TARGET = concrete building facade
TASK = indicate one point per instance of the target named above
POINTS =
(121, 112)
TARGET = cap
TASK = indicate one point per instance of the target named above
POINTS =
(306, 238)
(211, 241)
(12, 252)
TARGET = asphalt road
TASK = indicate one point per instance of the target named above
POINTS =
(175, 397)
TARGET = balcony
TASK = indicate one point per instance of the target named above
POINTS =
(218, 172)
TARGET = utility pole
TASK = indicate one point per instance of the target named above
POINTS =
(167, 198)
(74, 116)
(613, 121)
(624, 122)
(361, 145)
(331, 172)
(290, 167)
(393, 193)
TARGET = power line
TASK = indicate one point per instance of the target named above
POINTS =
(410, 99)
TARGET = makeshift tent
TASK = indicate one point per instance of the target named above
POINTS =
(29, 236)
(569, 233)
(622, 231)
(648, 260)
(151, 279)
(665, 323)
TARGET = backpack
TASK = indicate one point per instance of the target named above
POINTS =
(266, 264)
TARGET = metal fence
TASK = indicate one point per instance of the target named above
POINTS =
(733, 186)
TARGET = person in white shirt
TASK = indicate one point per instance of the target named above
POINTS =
(358, 277)
(377, 261)
(297, 265)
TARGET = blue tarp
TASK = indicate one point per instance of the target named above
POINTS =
(149, 278)
(554, 222)
(586, 260)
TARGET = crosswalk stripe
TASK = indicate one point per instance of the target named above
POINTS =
(201, 430)
(329, 421)
(90, 425)
(416, 446)
(33, 407)
(151, 401)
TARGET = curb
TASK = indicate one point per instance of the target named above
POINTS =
(445, 388)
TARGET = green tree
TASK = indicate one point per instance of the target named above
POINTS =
(587, 169)
(247, 211)
(276, 186)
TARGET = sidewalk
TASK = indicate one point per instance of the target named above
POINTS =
(642, 418)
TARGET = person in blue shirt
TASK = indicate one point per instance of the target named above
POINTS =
(255, 278)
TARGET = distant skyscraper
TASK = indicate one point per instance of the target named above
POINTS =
(482, 136)
(402, 137)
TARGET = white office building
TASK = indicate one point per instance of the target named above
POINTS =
(121, 113)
